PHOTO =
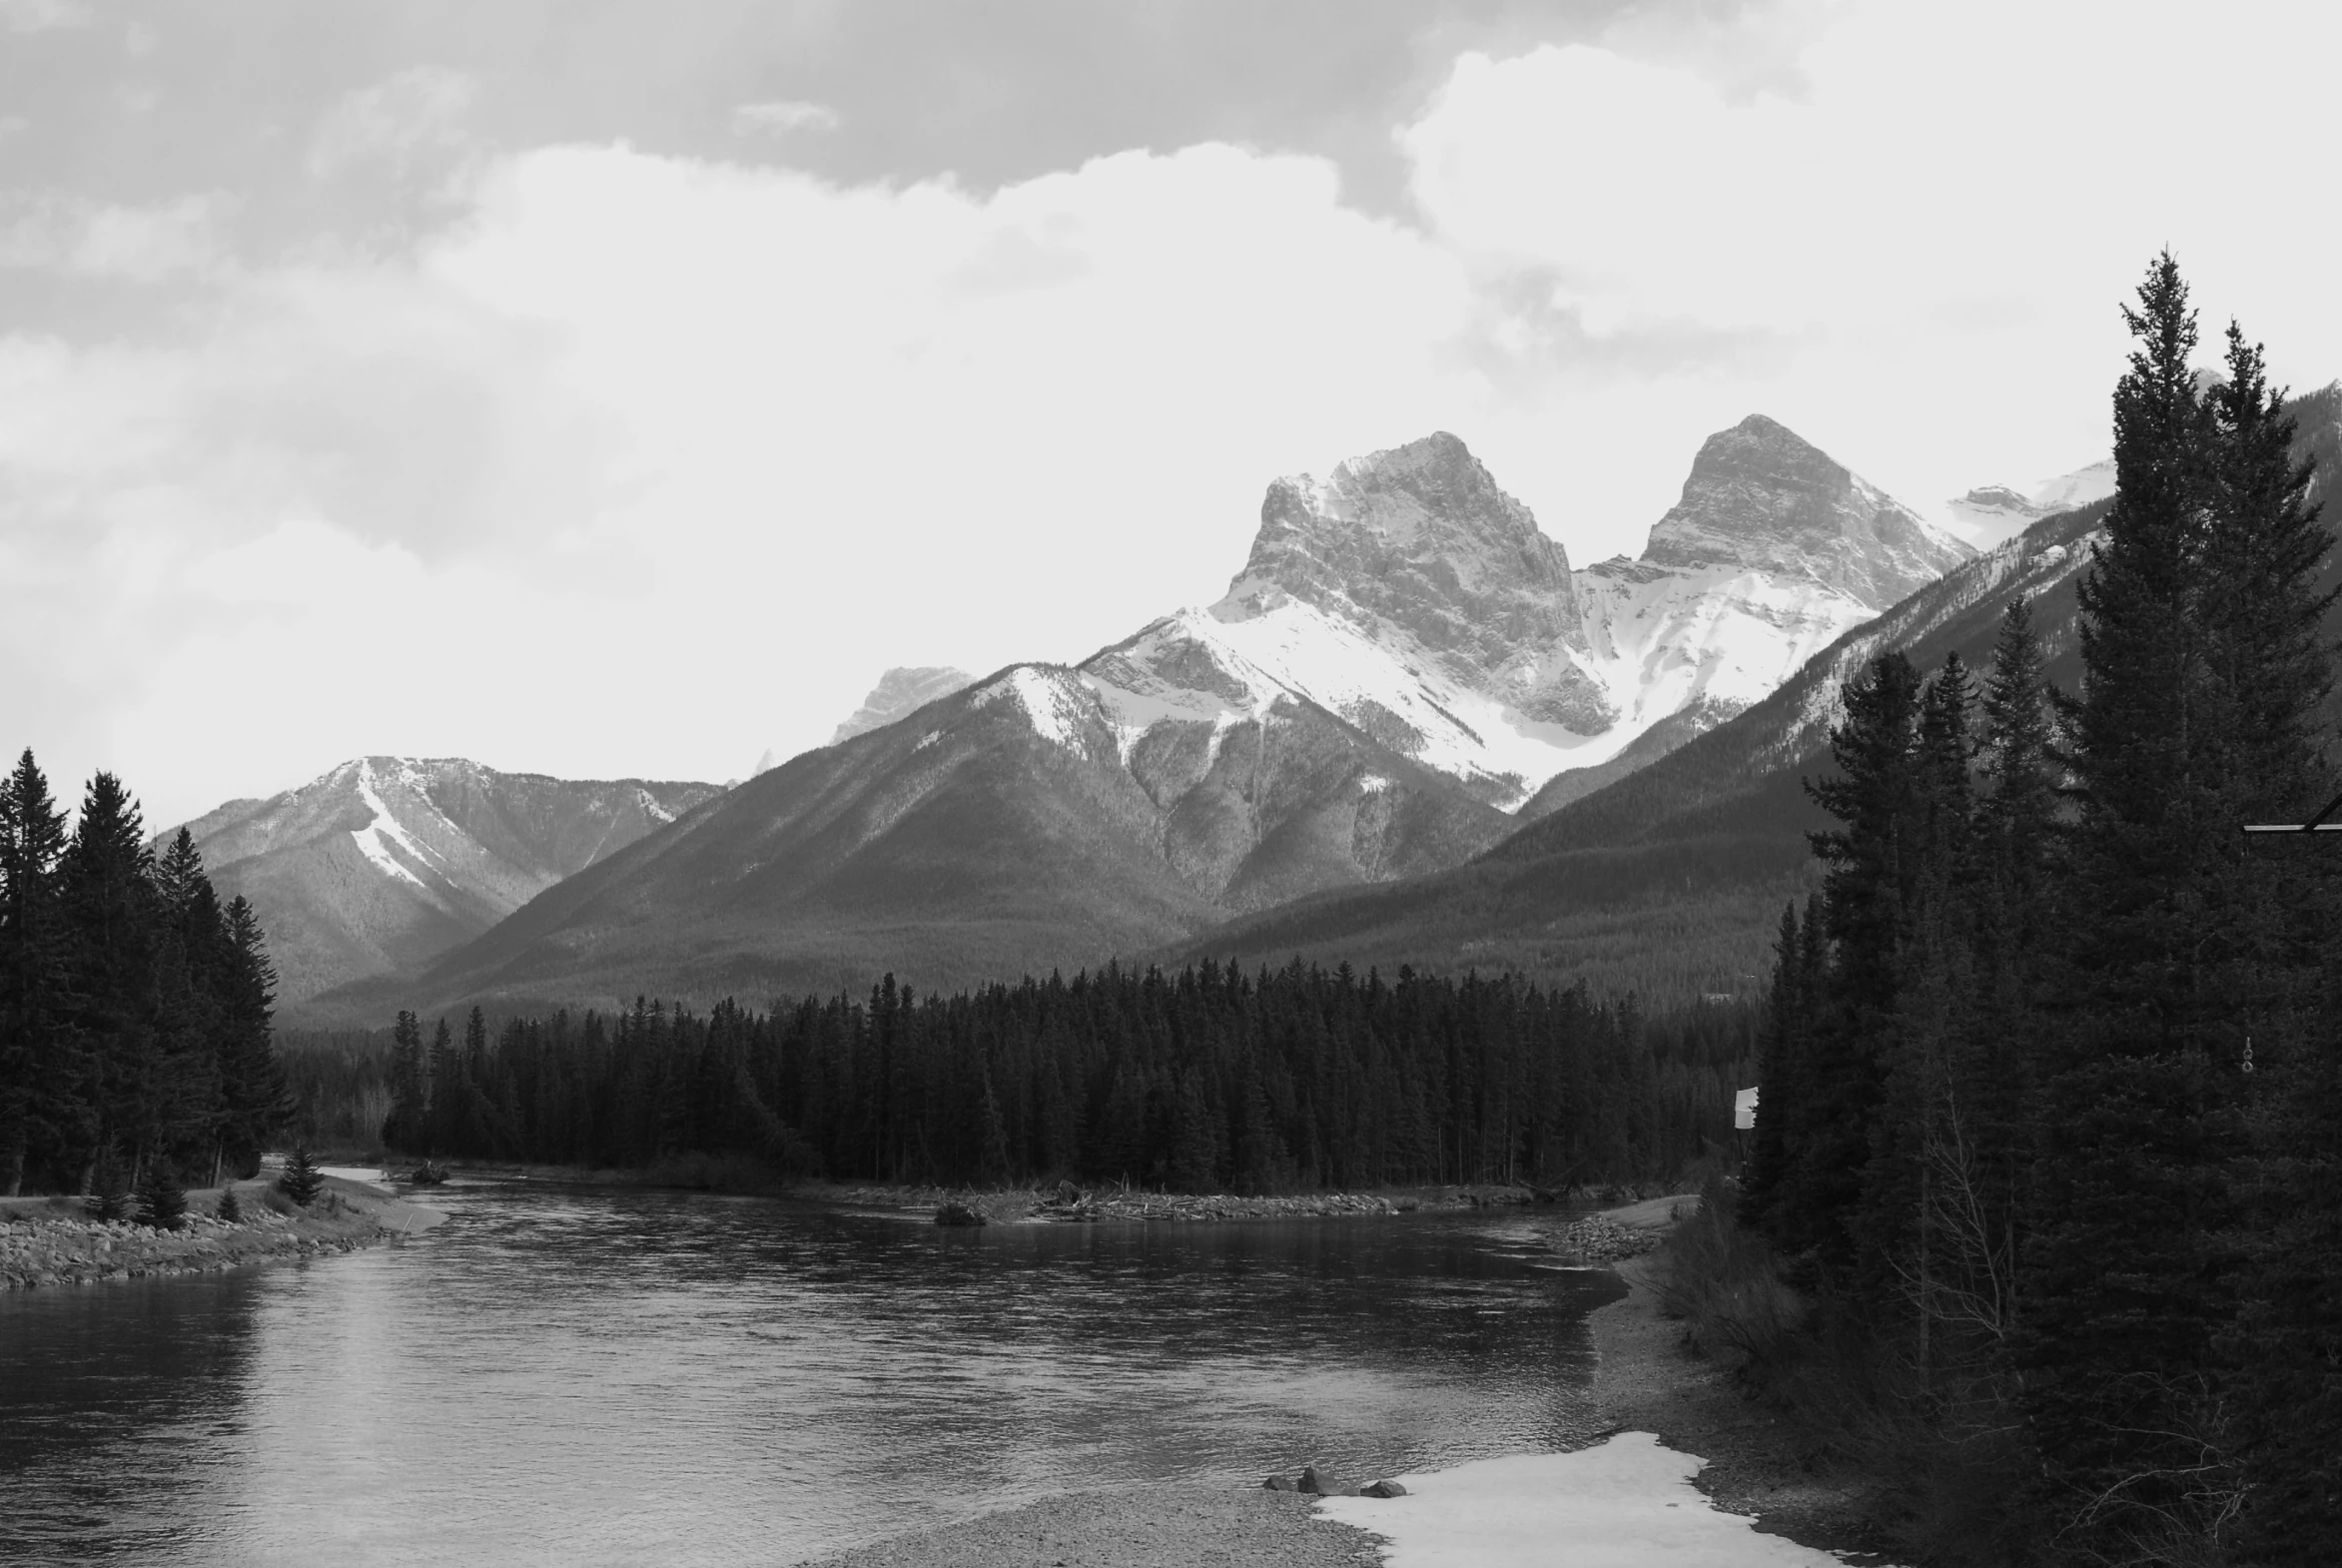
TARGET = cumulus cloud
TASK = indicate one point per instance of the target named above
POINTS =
(635, 464)
(403, 124)
(40, 16)
(133, 244)
(782, 115)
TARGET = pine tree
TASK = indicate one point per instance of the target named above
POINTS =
(404, 1128)
(230, 1206)
(131, 1090)
(162, 1196)
(38, 1067)
(1779, 1049)
(2134, 1258)
(2263, 619)
(253, 1080)
(1873, 862)
(303, 1180)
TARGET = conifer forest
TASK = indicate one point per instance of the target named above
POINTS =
(135, 1008)
(1208, 1080)
(2051, 1095)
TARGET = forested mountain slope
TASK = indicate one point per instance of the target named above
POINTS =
(385, 862)
(1010, 827)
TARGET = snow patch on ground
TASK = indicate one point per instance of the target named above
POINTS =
(376, 837)
(1626, 1504)
(1048, 707)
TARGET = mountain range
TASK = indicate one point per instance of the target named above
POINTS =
(1672, 881)
(1409, 732)
(1405, 667)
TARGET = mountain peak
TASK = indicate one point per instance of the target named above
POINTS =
(1419, 543)
(1762, 498)
(903, 689)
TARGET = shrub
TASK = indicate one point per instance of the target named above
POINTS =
(1931, 1430)
(303, 1181)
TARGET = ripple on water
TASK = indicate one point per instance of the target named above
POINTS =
(562, 1374)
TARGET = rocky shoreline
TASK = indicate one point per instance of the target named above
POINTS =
(1066, 1203)
(45, 1244)
(1648, 1379)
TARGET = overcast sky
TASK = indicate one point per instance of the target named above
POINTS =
(618, 388)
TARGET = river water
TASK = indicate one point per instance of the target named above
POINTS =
(569, 1375)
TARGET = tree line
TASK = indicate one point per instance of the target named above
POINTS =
(2050, 1090)
(135, 1009)
(1208, 1080)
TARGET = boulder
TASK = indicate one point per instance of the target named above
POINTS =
(1320, 1485)
(1383, 1489)
(1279, 1483)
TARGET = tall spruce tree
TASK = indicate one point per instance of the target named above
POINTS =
(2263, 619)
(2134, 1258)
(1872, 861)
(39, 1070)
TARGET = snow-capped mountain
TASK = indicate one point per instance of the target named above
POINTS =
(1403, 654)
(1412, 597)
(1992, 513)
(899, 691)
(385, 862)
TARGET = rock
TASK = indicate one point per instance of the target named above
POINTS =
(951, 1211)
(1279, 1483)
(1320, 1485)
(1383, 1489)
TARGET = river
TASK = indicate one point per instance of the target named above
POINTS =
(576, 1375)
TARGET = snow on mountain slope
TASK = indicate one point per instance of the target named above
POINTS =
(1992, 513)
(1411, 596)
(384, 862)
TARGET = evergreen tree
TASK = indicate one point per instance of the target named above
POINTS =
(1872, 863)
(303, 1180)
(162, 1196)
(39, 1069)
(404, 1127)
(253, 1080)
(230, 1206)
(2263, 618)
(2135, 1249)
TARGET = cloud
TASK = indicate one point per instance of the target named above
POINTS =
(782, 115)
(144, 245)
(40, 16)
(629, 462)
(403, 124)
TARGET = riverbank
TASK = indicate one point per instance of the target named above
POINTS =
(1162, 1526)
(1067, 1203)
(1648, 1379)
(51, 1242)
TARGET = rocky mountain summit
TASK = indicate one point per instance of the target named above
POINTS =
(902, 690)
(1993, 513)
(1415, 598)
(1417, 544)
(1760, 498)
(384, 862)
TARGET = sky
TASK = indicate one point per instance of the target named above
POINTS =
(616, 390)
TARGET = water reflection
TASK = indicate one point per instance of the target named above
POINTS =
(578, 1376)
